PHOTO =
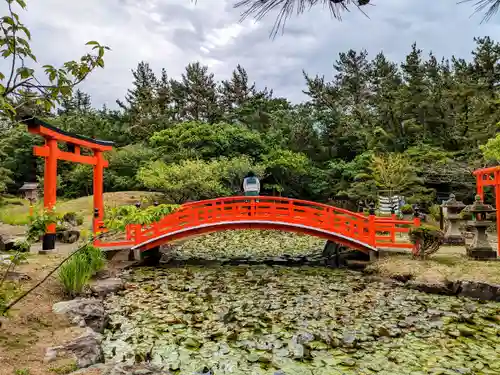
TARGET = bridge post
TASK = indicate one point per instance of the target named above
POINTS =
(331, 252)
(150, 257)
(371, 226)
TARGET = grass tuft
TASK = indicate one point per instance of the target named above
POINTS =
(74, 275)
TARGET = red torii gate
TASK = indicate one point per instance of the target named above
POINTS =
(52, 153)
(490, 177)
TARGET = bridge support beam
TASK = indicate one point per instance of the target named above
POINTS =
(149, 257)
(331, 253)
(338, 256)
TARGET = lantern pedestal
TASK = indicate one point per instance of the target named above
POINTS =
(480, 247)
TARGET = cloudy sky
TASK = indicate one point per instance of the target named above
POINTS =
(172, 33)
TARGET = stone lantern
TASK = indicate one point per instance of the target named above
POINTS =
(480, 247)
(451, 213)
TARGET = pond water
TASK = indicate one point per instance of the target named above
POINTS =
(291, 321)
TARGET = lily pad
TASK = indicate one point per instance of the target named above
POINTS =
(258, 319)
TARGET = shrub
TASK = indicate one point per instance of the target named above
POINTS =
(435, 211)
(38, 224)
(427, 240)
(72, 218)
(118, 218)
(75, 274)
(407, 209)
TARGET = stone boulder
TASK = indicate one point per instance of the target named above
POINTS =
(86, 349)
(478, 290)
(8, 243)
(68, 236)
(104, 287)
(84, 312)
(126, 369)
(436, 287)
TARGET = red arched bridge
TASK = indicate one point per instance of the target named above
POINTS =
(354, 230)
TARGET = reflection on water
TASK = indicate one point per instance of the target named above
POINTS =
(265, 320)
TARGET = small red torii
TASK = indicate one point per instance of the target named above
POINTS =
(490, 177)
(52, 153)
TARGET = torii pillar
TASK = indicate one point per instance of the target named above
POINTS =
(490, 177)
(93, 155)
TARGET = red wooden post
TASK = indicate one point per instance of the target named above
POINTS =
(497, 204)
(99, 184)
(372, 230)
(50, 191)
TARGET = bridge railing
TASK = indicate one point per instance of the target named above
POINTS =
(377, 232)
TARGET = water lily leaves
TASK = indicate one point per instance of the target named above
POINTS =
(317, 345)
(192, 343)
(263, 320)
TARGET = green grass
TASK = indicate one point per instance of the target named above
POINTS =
(65, 369)
(15, 211)
(448, 264)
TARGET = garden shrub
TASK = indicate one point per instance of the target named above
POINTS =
(38, 224)
(427, 239)
(406, 209)
(72, 218)
(435, 212)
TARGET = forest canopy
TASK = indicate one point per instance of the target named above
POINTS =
(372, 126)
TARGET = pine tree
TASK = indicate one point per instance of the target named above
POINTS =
(385, 83)
(141, 100)
(195, 96)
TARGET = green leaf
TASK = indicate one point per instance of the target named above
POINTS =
(65, 90)
(22, 3)
(25, 72)
(92, 43)
(47, 105)
(8, 20)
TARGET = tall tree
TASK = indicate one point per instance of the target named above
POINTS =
(385, 83)
(196, 94)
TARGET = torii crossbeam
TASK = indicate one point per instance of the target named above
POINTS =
(81, 150)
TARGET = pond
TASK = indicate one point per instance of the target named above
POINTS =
(278, 320)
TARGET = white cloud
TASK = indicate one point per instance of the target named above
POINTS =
(171, 33)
